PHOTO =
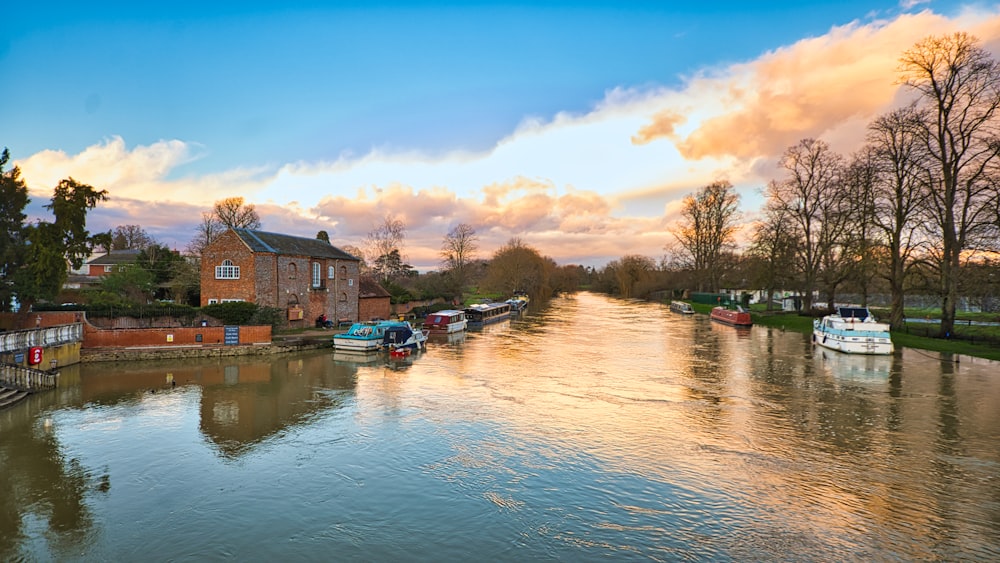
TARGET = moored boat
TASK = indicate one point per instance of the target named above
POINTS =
(482, 314)
(448, 320)
(735, 317)
(853, 330)
(519, 302)
(403, 336)
(681, 307)
(363, 337)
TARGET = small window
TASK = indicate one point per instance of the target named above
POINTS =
(343, 297)
(317, 277)
(232, 300)
(213, 301)
(227, 271)
(329, 272)
(350, 283)
(107, 268)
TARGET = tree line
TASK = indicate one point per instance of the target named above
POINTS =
(916, 209)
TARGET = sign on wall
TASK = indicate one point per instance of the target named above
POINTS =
(231, 335)
(35, 355)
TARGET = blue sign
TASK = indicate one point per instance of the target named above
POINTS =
(19, 358)
(231, 335)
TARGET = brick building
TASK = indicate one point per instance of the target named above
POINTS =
(374, 302)
(306, 277)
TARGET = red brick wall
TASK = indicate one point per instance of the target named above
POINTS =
(374, 308)
(135, 337)
(228, 246)
(282, 281)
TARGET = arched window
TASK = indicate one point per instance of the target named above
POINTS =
(292, 271)
(343, 297)
(227, 271)
(329, 272)
(317, 274)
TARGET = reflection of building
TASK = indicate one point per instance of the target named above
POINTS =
(243, 401)
(306, 277)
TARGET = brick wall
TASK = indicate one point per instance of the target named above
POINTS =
(374, 308)
(282, 281)
(228, 246)
(179, 337)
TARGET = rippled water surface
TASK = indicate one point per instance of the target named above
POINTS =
(593, 429)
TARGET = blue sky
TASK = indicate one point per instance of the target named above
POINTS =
(556, 122)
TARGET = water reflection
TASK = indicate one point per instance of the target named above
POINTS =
(591, 428)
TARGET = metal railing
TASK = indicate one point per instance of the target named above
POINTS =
(51, 336)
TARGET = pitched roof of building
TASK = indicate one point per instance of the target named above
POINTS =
(368, 288)
(115, 257)
(262, 241)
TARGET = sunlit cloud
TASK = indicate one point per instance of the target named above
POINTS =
(583, 187)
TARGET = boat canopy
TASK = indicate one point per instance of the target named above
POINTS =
(853, 313)
(396, 335)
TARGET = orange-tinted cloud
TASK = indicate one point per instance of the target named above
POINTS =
(815, 86)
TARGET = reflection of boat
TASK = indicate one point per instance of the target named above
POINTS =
(485, 313)
(856, 367)
(735, 317)
(853, 330)
(681, 307)
(402, 336)
(355, 357)
(446, 337)
(448, 320)
(364, 337)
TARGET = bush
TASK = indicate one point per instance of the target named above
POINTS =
(232, 313)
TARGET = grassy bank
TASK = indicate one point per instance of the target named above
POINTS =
(798, 323)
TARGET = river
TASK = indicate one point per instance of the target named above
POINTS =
(592, 429)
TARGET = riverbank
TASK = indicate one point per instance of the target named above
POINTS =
(799, 323)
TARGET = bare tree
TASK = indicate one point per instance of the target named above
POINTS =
(130, 237)
(457, 250)
(809, 195)
(234, 213)
(773, 248)
(205, 233)
(708, 227)
(898, 198)
(518, 267)
(959, 86)
(383, 248)
(629, 271)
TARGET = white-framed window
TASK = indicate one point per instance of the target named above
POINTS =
(317, 277)
(108, 268)
(330, 271)
(213, 301)
(350, 283)
(227, 271)
(232, 300)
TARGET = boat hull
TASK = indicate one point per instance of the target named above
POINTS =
(731, 317)
(841, 341)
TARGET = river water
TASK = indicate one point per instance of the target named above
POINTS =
(593, 429)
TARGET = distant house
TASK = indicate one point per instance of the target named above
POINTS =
(110, 262)
(373, 300)
(306, 277)
(90, 274)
